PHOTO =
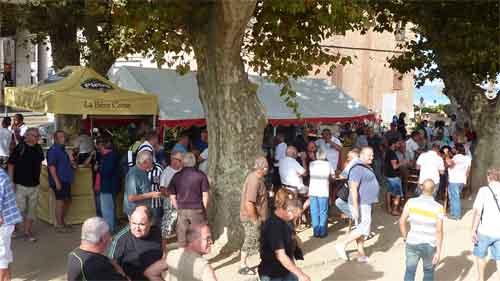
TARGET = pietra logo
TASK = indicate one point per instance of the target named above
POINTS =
(95, 84)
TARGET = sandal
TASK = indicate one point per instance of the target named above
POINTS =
(246, 271)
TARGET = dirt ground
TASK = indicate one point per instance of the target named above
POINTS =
(46, 259)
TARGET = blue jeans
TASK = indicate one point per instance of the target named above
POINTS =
(289, 277)
(319, 215)
(107, 202)
(343, 207)
(413, 255)
(454, 190)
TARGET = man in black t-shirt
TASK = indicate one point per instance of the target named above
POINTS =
(24, 167)
(278, 243)
(87, 261)
(138, 246)
(392, 175)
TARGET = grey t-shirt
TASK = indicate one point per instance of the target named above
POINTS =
(136, 182)
(368, 188)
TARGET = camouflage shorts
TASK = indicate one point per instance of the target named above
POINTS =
(169, 219)
(251, 244)
(3, 162)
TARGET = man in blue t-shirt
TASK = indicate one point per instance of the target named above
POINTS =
(60, 178)
(182, 145)
(363, 192)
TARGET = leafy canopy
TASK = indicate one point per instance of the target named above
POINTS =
(282, 40)
(458, 35)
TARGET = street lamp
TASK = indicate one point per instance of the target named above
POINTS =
(421, 105)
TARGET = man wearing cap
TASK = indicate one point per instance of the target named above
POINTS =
(431, 165)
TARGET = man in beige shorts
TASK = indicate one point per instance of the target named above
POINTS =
(24, 168)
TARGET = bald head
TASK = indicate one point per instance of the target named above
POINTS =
(199, 238)
(291, 151)
(366, 155)
(428, 187)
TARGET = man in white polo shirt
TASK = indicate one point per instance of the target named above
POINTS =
(332, 146)
(291, 172)
(412, 147)
(279, 154)
(431, 166)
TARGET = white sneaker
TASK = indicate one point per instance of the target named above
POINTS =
(341, 252)
(364, 259)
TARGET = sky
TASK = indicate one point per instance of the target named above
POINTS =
(431, 91)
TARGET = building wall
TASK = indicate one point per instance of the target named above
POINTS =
(369, 78)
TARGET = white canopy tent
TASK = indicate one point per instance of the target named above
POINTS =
(319, 100)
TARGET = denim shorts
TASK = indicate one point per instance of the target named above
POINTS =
(483, 243)
(395, 186)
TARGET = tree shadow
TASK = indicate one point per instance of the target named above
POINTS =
(384, 226)
(354, 271)
(491, 268)
(235, 259)
(334, 230)
(454, 267)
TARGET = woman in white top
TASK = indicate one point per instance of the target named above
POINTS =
(320, 172)
(458, 172)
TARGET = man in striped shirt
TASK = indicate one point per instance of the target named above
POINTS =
(157, 202)
(9, 217)
(425, 237)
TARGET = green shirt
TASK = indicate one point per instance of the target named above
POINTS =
(136, 182)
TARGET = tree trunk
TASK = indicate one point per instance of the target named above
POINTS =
(485, 116)
(236, 117)
(65, 48)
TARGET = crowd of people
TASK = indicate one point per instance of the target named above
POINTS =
(304, 180)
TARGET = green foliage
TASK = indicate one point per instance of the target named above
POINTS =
(60, 20)
(458, 35)
(282, 41)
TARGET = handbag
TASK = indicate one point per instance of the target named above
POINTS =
(343, 192)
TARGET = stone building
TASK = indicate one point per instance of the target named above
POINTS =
(369, 79)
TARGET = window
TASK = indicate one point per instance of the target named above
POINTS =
(397, 81)
(338, 76)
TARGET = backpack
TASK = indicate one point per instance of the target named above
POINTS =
(343, 192)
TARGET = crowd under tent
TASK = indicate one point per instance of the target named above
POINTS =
(79, 90)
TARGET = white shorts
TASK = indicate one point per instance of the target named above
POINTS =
(5, 249)
(365, 219)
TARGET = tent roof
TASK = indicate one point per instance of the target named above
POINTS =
(319, 101)
(80, 90)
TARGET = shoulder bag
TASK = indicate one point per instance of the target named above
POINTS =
(343, 192)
